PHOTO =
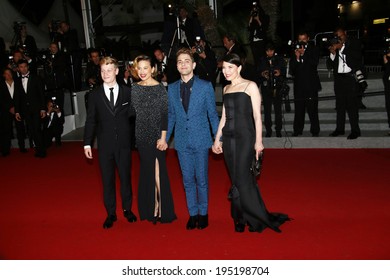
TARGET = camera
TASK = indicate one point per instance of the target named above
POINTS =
(198, 46)
(55, 24)
(18, 26)
(297, 44)
(55, 105)
(334, 40)
(359, 76)
(255, 10)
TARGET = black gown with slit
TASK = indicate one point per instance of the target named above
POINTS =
(239, 136)
(151, 107)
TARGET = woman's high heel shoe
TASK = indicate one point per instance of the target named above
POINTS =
(239, 227)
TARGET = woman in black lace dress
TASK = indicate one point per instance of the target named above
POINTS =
(150, 101)
(240, 129)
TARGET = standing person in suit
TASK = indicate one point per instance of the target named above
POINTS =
(346, 59)
(108, 114)
(30, 105)
(232, 46)
(303, 67)
(191, 111)
(273, 72)
(7, 92)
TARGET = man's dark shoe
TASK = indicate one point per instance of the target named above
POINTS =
(131, 218)
(109, 222)
(268, 134)
(336, 133)
(192, 222)
(353, 135)
(203, 221)
(295, 134)
(278, 134)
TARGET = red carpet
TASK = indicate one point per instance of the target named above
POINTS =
(339, 198)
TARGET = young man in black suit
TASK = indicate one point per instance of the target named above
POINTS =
(30, 105)
(108, 114)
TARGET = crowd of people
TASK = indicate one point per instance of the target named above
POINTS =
(157, 96)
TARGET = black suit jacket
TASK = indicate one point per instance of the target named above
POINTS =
(34, 100)
(304, 71)
(6, 101)
(112, 126)
(353, 56)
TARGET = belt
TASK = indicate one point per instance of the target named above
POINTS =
(345, 74)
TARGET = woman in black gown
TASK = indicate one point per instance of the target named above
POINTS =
(240, 129)
(150, 101)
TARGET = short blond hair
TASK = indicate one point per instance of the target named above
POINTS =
(109, 60)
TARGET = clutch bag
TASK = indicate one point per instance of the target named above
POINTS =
(256, 165)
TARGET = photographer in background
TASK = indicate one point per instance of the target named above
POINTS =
(206, 61)
(346, 60)
(26, 44)
(258, 24)
(303, 68)
(166, 68)
(386, 82)
(68, 42)
(273, 72)
(53, 124)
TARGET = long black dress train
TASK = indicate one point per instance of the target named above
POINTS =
(239, 136)
(151, 107)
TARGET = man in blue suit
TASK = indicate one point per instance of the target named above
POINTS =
(191, 103)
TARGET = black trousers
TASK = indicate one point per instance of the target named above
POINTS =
(109, 160)
(272, 99)
(7, 121)
(34, 129)
(303, 104)
(347, 101)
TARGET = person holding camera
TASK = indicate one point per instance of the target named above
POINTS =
(303, 68)
(346, 60)
(53, 124)
(272, 71)
(386, 82)
(257, 26)
(206, 61)
(27, 45)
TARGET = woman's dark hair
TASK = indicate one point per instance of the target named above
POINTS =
(232, 58)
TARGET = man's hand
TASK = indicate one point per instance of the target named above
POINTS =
(88, 153)
(18, 117)
(43, 114)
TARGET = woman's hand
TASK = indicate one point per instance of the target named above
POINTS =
(162, 145)
(258, 148)
(217, 147)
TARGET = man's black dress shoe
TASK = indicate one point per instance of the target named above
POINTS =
(268, 134)
(353, 135)
(315, 134)
(336, 133)
(109, 221)
(278, 134)
(203, 221)
(295, 134)
(129, 216)
(192, 222)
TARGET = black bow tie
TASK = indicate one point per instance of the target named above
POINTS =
(25, 77)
